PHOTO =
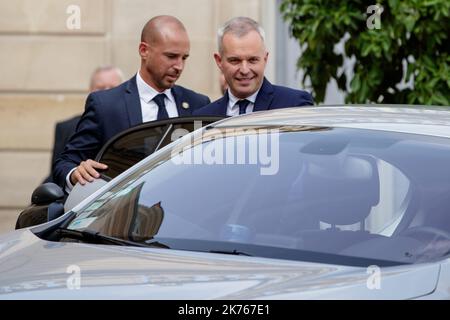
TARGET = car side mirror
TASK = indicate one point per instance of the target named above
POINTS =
(47, 193)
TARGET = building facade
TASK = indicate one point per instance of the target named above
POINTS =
(49, 48)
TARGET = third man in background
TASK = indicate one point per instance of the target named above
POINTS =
(103, 78)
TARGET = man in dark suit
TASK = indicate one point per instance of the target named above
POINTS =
(242, 58)
(63, 131)
(103, 78)
(150, 95)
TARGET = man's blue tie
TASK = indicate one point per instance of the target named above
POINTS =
(243, 106)
(162, 112)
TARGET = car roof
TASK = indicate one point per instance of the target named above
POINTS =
(425, 120)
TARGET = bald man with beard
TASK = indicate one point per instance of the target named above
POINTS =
(150, 95)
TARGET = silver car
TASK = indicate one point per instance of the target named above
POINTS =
(298, 203)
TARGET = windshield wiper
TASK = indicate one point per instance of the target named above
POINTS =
(153, 243)
(234, 252)
(96, 237)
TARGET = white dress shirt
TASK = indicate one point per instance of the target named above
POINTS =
(149, 107)
(233, 107)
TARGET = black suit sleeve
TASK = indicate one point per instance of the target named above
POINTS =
(59, 142)
(83, 144)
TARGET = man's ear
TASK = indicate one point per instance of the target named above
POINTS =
(218, 60)
(143, 50)
(266, 56)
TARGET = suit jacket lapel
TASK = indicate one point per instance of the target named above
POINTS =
(223, 105)
(133, 102)
(183, 107)
(264, 97)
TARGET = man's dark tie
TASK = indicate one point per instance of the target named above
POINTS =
(243, 106)
(162, 112)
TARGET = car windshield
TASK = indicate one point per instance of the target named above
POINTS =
(303, 193)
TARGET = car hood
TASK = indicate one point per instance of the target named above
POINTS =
(31, 268)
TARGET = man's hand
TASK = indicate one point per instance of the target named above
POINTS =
(86, 172)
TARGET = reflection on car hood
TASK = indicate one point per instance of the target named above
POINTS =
(31, 268)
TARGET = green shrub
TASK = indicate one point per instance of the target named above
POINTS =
(412, 32)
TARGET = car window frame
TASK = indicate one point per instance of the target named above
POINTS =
(168, 123)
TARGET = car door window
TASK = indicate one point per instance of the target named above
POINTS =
(133, 145)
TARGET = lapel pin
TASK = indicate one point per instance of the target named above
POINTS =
(185, 105)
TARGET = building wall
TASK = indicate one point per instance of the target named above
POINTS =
(45, 68)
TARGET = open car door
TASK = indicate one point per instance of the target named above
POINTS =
(119, 153)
